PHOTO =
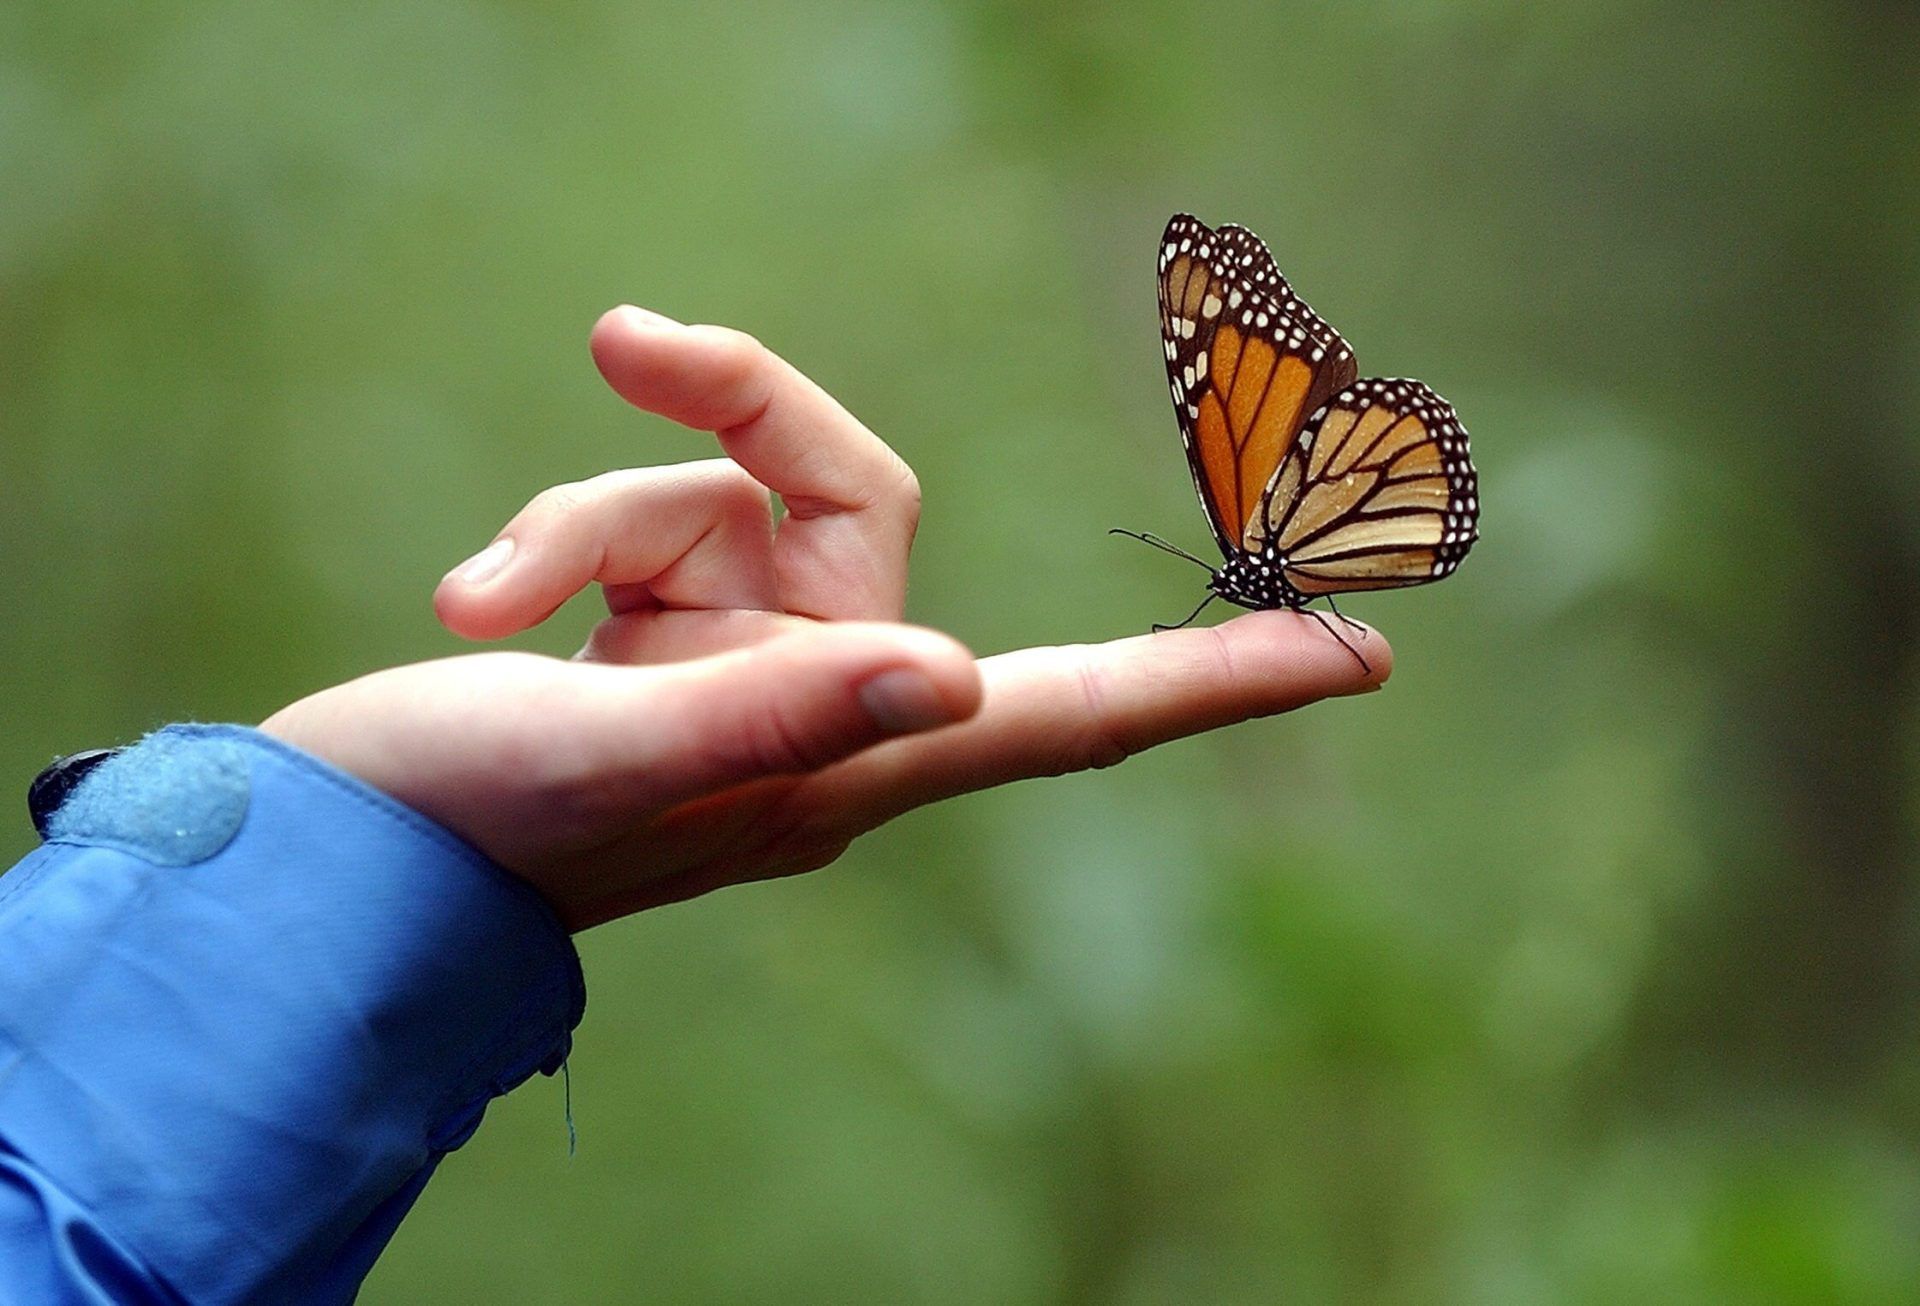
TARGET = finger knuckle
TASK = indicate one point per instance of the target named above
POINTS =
(736, 354)
(555, 503)
(745, 343)
(740, 498)
(907, 489)
(1099, 742)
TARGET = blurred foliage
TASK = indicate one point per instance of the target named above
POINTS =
(1578, 966)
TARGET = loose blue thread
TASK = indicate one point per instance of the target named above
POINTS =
(566, 1081)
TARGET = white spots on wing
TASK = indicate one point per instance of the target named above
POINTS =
(1171, 348)
(1260, 319)
(1186, 376)
(1210, 306)
(1200, 365)
(1234, 297)
(1318, 353)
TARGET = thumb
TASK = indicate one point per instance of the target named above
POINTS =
(786, 706)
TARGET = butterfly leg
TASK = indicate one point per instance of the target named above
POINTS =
(1351, 623)
(1320, 617)
(1157, 627)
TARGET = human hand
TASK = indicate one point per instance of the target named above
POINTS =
(751, 704)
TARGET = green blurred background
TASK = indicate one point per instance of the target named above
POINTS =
(1579, 965)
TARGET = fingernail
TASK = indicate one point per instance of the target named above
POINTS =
(646, 316)
(903, 700)
(486, 564)
(1372, 688)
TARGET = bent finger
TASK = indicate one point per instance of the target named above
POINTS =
(852, 504)
(692, 535)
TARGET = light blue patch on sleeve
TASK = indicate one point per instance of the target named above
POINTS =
(175, 798)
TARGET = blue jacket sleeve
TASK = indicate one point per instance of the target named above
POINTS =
(246, 1005)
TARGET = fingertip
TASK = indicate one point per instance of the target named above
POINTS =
(454, 608)
(621, 328)
(952, 669)
(1325, 655)
(947, 666)
(479, 612)
(906, 700)
(631, 317)
(456, 600)
(1371, 645)
(797, 703)
(862, 682)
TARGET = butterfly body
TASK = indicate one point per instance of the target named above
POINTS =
(1316, 482)
(1256, 580)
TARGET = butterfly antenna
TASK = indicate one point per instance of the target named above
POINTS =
(1162, 545)
(1321, 617)
(1157, 628)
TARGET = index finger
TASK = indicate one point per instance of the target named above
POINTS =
(1049, 711)
(852, 504)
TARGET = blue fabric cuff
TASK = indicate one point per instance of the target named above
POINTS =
(264, 999)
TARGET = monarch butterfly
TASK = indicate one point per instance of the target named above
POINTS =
(1315, 482)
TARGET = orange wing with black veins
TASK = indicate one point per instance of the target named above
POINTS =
(1247, 363)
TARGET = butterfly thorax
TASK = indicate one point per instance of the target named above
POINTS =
(1256, 580)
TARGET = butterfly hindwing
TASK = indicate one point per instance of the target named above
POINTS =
(1247, 362)
(1378, 492)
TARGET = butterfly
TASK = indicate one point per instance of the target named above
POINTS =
(1315, 482)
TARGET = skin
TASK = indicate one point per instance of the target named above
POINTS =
(753, 702)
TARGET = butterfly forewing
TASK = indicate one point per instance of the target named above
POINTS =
(1247, 362)
(1378, 492)
(1247, 256)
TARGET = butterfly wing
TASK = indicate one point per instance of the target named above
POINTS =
(1248, 256)
(1379, 492)
(1247, 361)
